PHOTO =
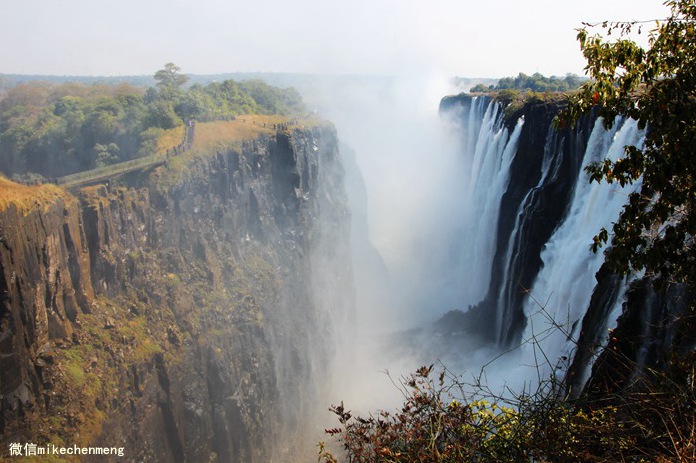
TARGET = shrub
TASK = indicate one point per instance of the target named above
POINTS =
(437, 424)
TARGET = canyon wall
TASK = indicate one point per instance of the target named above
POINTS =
(186, 313)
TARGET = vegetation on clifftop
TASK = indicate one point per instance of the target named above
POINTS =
(534, 83)
(26, 198)
(514, 93)
(52, 130)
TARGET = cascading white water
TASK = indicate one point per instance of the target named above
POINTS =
(543, 212)
(562, 290)
(492, 149)
(550, 165)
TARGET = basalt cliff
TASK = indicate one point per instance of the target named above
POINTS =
(183, 313)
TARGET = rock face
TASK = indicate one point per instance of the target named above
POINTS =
(186, 317)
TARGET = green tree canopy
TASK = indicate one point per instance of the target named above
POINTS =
(534, 83)
(53, 130)
(170, 77)
(656, 87)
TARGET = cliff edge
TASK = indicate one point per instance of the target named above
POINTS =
(182, 314)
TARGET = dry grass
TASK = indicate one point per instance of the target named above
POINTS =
(309, 121)
(246, 127)
(26, 197)
(170, 138)
(211, 134)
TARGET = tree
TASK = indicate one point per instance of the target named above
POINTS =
(535, 83)
(106, 154)
(170, 78)
(161, 114)
(656, 87)
(481, 88)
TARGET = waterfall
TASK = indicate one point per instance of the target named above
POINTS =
(562, 289)
(490, 148)
(530, 273)
(550, 168)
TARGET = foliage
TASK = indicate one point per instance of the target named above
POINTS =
(170, 77)
(225, 100)
(272, 100)
(106, 154)
(54, 130)
(534, 83)
(481, 88)
(436, 424)
(657, 88)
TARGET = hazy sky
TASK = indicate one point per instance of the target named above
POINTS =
(490, 38)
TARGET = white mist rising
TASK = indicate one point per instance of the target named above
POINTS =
(412, 175)
(412, 192)
(425, 195)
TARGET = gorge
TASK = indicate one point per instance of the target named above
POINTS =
(212, 308)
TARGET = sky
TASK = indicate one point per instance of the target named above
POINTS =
(493, 38)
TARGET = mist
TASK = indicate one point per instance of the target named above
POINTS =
(409, 190)
(425, 196)
(410, 167)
